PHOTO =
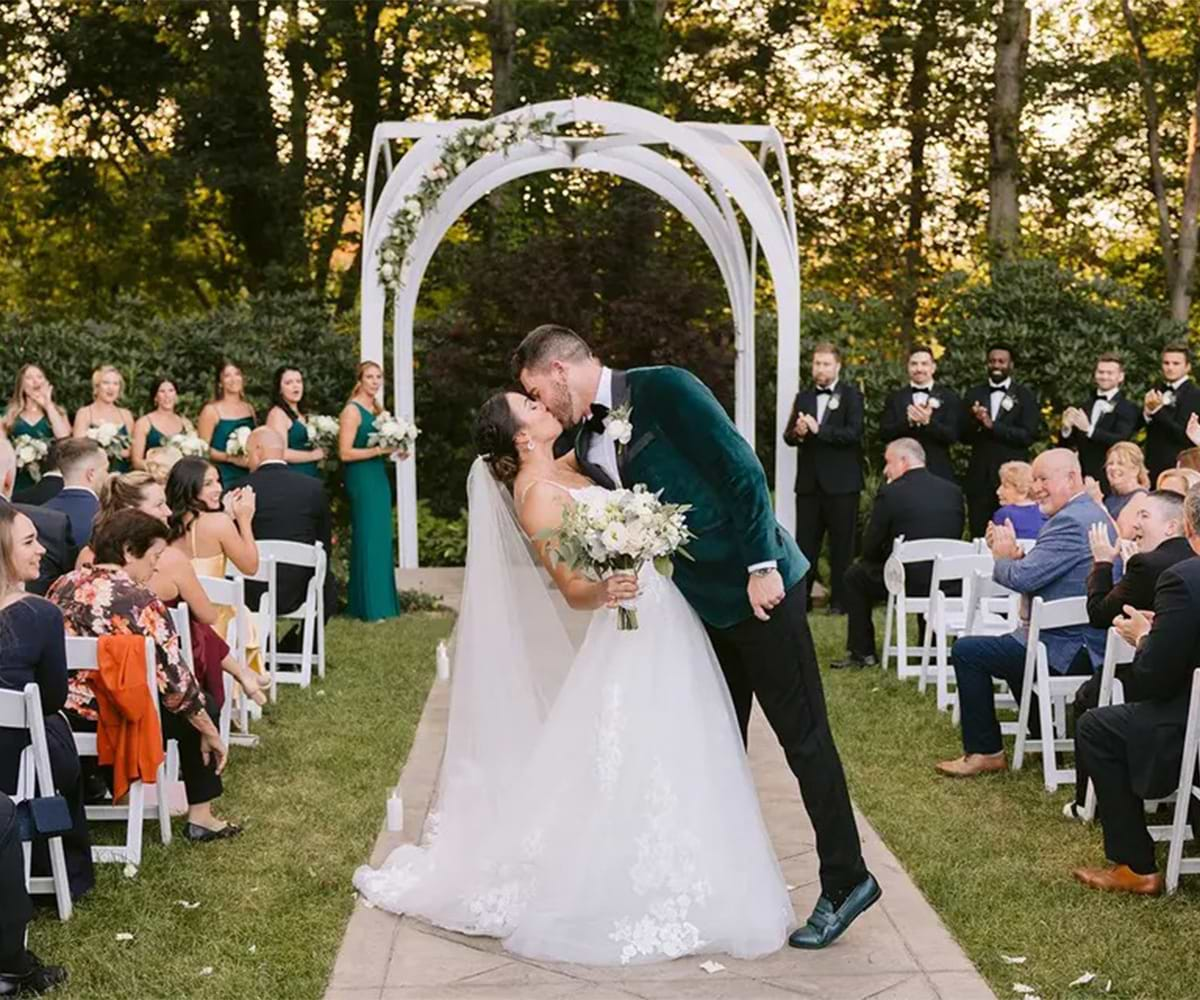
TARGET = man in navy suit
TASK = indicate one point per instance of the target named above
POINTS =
(84, 465)
(53, 528)
(826, 429)
(1057, 567)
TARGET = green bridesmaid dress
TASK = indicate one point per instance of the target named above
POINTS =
(298, 440)
(119, 464)
(156, 438)
(231, 475)
(372, 534)
(22, 428)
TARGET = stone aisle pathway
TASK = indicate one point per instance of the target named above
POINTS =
(898, 950)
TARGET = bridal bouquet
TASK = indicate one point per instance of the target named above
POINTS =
(393, 432)
(189, 445)
(238, 440)
(31, 452)
(322, 430)
(618, 531)
(111, 437)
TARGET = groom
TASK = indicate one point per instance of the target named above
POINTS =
(745, 580)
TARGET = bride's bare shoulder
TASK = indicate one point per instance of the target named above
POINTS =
(539, 502)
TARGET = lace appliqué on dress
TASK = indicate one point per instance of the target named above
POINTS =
(665, 871)
(608, 740)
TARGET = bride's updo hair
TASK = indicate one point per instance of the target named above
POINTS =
(495, 428)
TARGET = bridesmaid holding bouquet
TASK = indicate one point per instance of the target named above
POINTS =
(162, 422)
(33, 413)
(223, 415)
(106, 422)
(286, 417)
(372, 538)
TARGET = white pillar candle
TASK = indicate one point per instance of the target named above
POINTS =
(395, 812)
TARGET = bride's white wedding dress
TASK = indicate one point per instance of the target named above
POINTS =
(613, 821)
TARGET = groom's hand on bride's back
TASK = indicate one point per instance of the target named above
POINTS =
(766, 592)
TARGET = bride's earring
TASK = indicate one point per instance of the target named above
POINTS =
(529, 446)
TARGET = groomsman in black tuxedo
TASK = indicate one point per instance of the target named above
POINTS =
(926, 412)
(1167, 408)
(1100, 422)
(1000, 421)
(826, 428)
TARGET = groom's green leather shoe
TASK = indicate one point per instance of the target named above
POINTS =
(826, 924)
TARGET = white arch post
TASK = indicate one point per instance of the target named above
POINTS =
(705, 172)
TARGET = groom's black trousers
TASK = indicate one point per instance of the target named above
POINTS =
(776, 662)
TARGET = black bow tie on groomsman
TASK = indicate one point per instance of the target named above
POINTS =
(595, 423)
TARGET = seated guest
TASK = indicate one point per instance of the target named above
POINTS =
(1177, 480)
(1056, 567)
(21, 971)
(53, 527)
(1017, 507)
(49, 486)
(289, 506)
(32, 651)
(1133, 751)
(174, 582)
(916, 504)
(1125, 469)
(84, 465)
(1189, 459)
(111, 598)
(1159, 541)
(160, 461)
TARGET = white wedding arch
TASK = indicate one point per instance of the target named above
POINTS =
(629, 142)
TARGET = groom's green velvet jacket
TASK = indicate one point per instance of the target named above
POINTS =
(685, 445)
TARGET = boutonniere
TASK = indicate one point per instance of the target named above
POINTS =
(1007, 403)
(618, 425)
(935, 403)
(834, 402)
(1168, 398)
(1105, 408)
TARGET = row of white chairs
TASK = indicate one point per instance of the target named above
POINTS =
(22, 709)
(986, 608)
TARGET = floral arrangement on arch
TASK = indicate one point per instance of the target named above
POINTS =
(460, 149)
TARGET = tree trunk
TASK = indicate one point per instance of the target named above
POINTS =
(1004, 131)
(502, 40)
(1166, 238)
(1181, 290)
(295, 194)
(917, 108)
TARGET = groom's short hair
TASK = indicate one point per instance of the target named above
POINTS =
(548, 342)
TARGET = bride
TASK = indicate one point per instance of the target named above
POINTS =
(595, 806)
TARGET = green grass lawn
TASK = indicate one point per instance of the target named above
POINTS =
(274, 902)
(994, 855)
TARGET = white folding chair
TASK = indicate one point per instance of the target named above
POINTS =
(23, 710)
(900, 605)
(992, 610)
(1180, 830)
(310, 615)
(1052, 690)
(948, 616)
(82, 655)
(231, 592)
(1117, 652)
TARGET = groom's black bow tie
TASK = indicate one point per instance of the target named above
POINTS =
(595, 423)
(827, 391)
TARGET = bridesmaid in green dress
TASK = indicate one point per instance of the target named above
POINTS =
(32, 412)
(221, 416)
(162, 422)
(107, 387)
(284, 417)
(372, 528)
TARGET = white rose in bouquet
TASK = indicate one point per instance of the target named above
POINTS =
(31, 452)
(322, 430)
(189, 445)
(393, 432)
(619, 531)
(113, 438)
(238, 442)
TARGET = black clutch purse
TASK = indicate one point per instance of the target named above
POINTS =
(49, 816)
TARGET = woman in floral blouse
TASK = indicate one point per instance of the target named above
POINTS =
(111, 598)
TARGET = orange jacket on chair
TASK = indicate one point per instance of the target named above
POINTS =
(128, 736)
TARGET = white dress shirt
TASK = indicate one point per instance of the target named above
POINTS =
(823, 399)
(1097, 412)
(997, 394)
(602, 450)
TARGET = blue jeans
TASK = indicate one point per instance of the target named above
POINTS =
(979, 658)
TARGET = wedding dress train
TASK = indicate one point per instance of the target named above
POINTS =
(625, 826)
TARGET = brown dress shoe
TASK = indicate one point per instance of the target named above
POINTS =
(972, 764)
(1120, 878)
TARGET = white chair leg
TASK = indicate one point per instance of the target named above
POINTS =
(1183, 798)
(901, 637)
(319, 623)
(164, 806)
(1045, 717)
(943, 671)
(926, 647)
(58, 868)
(137, 815)
(1022, 724)
(887, 630)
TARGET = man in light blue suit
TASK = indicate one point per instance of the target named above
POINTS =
(1056, 567)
